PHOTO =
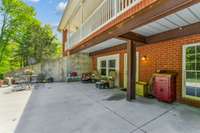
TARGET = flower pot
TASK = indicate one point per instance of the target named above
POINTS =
(1, 82)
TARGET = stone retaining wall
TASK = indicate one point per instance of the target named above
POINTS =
(59, 68)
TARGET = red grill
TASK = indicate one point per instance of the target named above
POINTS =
(165, 87)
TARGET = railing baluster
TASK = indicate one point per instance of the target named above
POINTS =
(116, 7)
(108, 10)
(105, 9)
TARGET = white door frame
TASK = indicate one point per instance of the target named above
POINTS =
(110, 57)
(126, 68)
(183, 71)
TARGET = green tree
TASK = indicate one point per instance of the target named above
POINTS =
(16, 16)
(10, 62)
(38, 44)
(23, 38)
(43, 43)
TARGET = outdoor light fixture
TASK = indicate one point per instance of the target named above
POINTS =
(144, 58)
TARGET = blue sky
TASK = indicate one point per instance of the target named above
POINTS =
(49, 11)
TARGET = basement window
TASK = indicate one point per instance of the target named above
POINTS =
(107, 64)
(191, 71)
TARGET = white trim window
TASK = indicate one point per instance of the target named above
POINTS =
(103, 67)
(126, 69)
(191, 71)
(106, 64)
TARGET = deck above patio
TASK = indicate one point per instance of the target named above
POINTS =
(107, 11)
(144, 21)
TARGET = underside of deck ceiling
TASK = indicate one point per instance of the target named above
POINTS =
(179, 19)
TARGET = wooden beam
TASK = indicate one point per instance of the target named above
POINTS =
(131, 53)
(107, 50)
(176, 33)
(133, 36)
(64, 41)
(159, 9)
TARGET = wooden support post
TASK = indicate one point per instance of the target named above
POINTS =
(64, 41)
(131, 54)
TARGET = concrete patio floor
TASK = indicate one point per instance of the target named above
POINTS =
(81, 108)
(12, 105)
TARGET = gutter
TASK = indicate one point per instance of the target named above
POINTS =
(76, 9)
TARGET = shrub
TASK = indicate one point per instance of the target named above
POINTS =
(1, 76)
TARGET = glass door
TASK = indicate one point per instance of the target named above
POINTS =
(191, 71)
(107, 64)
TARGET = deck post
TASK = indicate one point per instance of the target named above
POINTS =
(131, 54)
(64, 41)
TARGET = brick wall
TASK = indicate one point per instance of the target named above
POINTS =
(164, 55)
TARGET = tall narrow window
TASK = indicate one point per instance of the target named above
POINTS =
(111, 66)
(103, 67)
(192, 71)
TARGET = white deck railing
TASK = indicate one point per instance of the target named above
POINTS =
(106, 12)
